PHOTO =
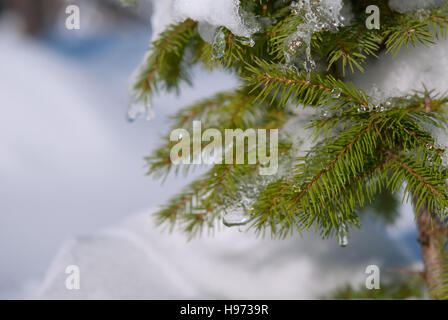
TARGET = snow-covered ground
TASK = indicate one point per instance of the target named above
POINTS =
(133, 260)
(72, 185)
(69, 161)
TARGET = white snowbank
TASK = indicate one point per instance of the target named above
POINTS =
(69, 161)
(134, 260)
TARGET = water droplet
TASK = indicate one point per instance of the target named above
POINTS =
(219, 44)
(362, 109)
(336, 93)
(373, 107)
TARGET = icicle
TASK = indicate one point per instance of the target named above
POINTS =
(298, 51)
(219, 44)
(139, 108)
(343, 236)
(317, 16)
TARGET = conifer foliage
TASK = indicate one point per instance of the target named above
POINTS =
(362, 145)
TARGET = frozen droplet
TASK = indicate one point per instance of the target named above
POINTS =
(139, 108)
(295, 48)
(316, 16)
(336, 93)
(219, 44)
(248, 41)
(343, 236)
(362, 109)
(235, 216)
(238, 208)
(324, 113)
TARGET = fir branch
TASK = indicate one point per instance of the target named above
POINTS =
(225, 110)
(285, 85)
(164, 67)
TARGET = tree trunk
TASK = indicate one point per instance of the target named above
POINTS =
(430, 232)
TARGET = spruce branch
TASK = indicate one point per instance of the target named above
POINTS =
(283, 85)
(225, 110)
(164, 66)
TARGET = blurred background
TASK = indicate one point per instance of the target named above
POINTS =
(72, 178)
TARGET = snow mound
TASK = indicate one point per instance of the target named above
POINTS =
(134, 260)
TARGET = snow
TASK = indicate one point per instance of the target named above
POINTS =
(161, 17)
(225, 13)
(404, 6)
(409, 71)
(69, 161)
(135, 260)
